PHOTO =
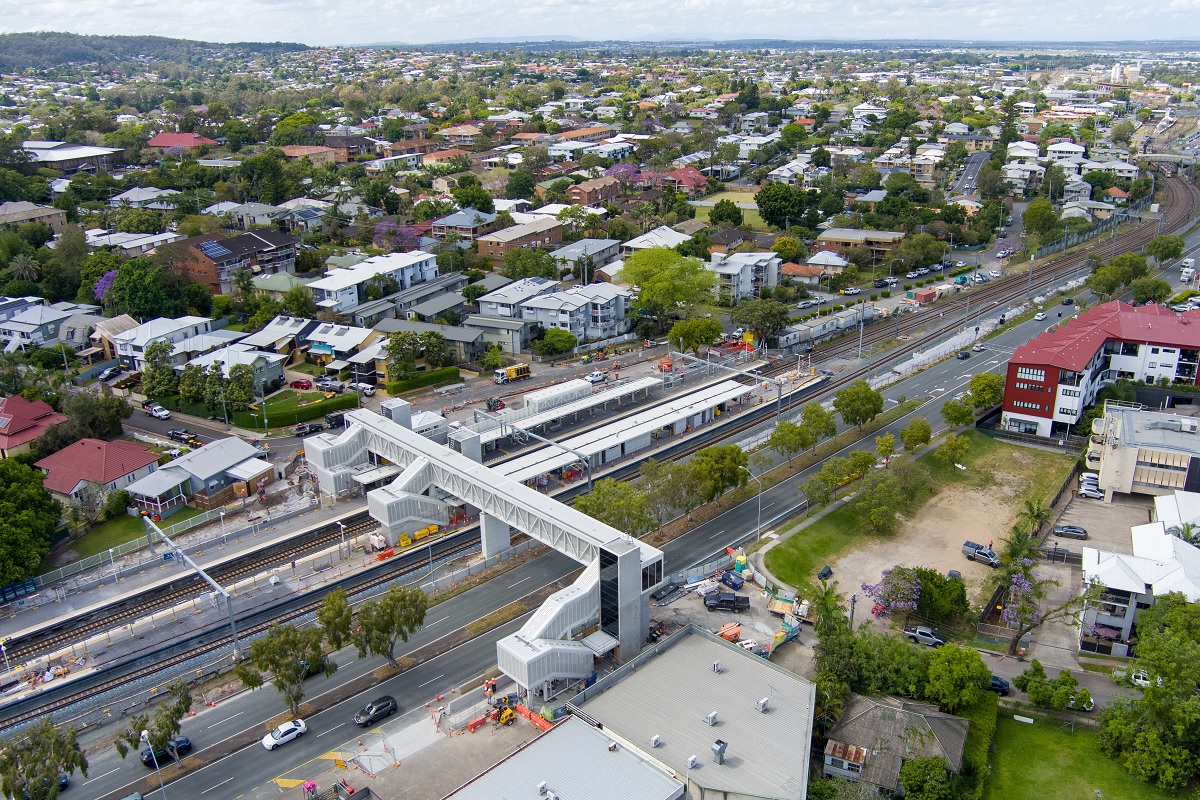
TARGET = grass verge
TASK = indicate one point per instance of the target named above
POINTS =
(119, 531)
(497, 618)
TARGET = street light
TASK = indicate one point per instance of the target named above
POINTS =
(266, 427)
(342, 529)
(758, 527)
(146, 739)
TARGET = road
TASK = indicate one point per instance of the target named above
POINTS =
(966, 183)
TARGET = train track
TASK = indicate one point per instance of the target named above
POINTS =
(1182, 200)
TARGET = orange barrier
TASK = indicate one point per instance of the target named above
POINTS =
(536, 719)
(385, 555)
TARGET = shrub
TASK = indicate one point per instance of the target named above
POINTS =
(907, 287)
(886, 293)
(433, 377)
(983, 717)
(874, 297)
(116, 503)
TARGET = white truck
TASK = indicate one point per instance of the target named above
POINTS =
(1187, 269)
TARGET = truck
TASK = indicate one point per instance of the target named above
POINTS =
(981, 553)
(727, 601)
(1187, 263)
(924, 635)
(516, 372)
(797, 608)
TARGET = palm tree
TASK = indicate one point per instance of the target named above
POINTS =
(24, 267)
(1035, 514)
(831, 614)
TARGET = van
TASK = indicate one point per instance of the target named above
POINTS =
(981, 553)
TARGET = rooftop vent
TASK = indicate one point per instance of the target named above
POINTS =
(718, 750)
(762, 705)
(612, 747)
(692, 762)
(711, 719)
(716, 667)
(542, 788)
(655, 740)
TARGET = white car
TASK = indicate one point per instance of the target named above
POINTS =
(1091, 492)
(851, 290)
(748, 644)
(158, 412)
(910, 275)
(995, 273)
(818, 299)
(596, 377)
(365, 388)
(284, 734)
(891, 280)
(1039, 316)
(960, 263)
(805, 304)
(979, 348)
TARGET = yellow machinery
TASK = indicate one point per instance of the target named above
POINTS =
(406, 539)
(506, 717)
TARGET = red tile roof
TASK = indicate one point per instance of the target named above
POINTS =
(95, 461)
(169, 139)
(801, 270)
(22, 421)
(688, 176)
(1072, 344)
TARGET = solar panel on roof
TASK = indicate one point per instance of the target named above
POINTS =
(212, 249)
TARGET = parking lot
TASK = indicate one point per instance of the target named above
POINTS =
(1107, 524)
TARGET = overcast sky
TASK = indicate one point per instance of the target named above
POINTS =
(326, 22)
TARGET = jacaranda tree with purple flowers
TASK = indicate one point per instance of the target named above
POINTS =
(899, 589)
(104, 284)
(1024, 602)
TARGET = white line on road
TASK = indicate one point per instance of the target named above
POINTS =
(222, 722)
(98, 777)
(436, 621)
(518, 583)
(431, 680)
(331, 730)
(718, 533)
(218, 786)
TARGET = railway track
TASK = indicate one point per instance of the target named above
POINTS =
(1182, 200)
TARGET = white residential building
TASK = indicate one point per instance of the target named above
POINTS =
(594, 311)
(741, 275)
(132, 343)
(508, 300)
(341, 289)
(659, 237)
(1064, 151)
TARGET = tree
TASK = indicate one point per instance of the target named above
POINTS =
(661, 485)
(556, 341)
(28, 517)
(191, 383)
(926, 779)
(957, 677)
(1105, 282)
(24, 267)
(240, 388)
(916, 434)
(158, 373)
(528, 262)
(1039, 219)
(493, 358)
(1165, 247)
(692, 334)
(334, 616)
(764, 318)
(818, 421)
(403, 348)
(880, 502)
(1023, 611)
(1151, 290)
(987, 389)
(31, 760)
(290, 655)
(779, 204)
(1034, 514)
(1131, 266)
(720, 468)
(436, 349)
(885, 446)
(858, 403)
(957, 413)
(789, 439)
(789, 248)
(1122, 132)
(472, 195)
(298, 302)
(618, 504)
(393, 618)
(161, 727)
(668, 283)
(520, 185)
(725, 211)
(954, 449)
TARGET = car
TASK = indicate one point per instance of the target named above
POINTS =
(825, 574)
(737, 333)
(305, 428)
(377, 710)
(1091, 493)
(891, 280)
(879, 283)
(1088, 706)
(1183, 307)
(1141, 679)
(1068, 301)
(994, 273)
(329, 385)
(954, 575)
(301, 383)
(979, 348)
(158, 412)
(805, 304)
(181, 434)
(284, 734)
(911, 275)
(180, 745)
(851, 290)
(596, 376)
(748, 644)
(999, 686)
(819, 299)
(963, 355)
(959, 264)
(1070, 531)
(366, 388)
(1040, 316)
(109, 374)
(923, 271)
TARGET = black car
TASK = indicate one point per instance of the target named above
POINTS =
(1068, 301)
(1070, 531)
(181, 434)
(180, 745)
(109, 374)
(377, 710)
(879, 283)
(64, 780)
(999, 686)
(305, 428)
(825, 574)
(963, 355)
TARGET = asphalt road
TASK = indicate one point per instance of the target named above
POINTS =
(970, 173)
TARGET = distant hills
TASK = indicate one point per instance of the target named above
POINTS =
(19, 51)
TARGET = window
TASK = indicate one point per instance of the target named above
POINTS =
(1152, 365)
(1166, 366)
(1032, 387)
(1070, 412)
(1031, 374)
(1023, 404)
(1070, 393)
(1153, 351)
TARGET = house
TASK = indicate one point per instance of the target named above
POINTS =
(167, 139)
(597, 252)
(316, 154)
(1077, 190)
(510, 334)
(19, 212)
(805, 274)
(34, 327)
(726, 240)
(330, 345)
(464, 135)
(1116, 194)
(439, 156)
(346, 148)
(878, 243)
(267, 366)
(285, 335)
(467, 224)
(595, 311)
(130, 244)
(437, 307)
(466, 343)
(83, 473)
(275, 285)
(508, 300)
(1053, 376)
(103, 338)
(876, 735)
(659, 237)
(131, 344)
(542, 233)
(249, 215)
(741, 275)
(22, 421)
(397, 305)
(70, 158)
(214, 262)
(75, 332)
(207, 477)
(11, 306)
(688, 180)
(595, 191)
(146, 197)
(344, 289)
(1064, 151)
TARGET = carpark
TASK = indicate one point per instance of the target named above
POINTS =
(1107, 524)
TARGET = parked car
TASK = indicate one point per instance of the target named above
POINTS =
(879, 283)
(376, 710)
(851, 290)
(302, 383)
(158, 412)
(329, 385)
(596, 376)
(959, 264)
(727, 601)
(1070, 532)
(366, 388)
(305, 428)
(819, 299)
(994, 273)
(1141, 679)
(181, 434)
(805, 304)
(284, 734)
(981, 553)
(954, 575)
(911, 275)
(180, 745)
(924, 635)
(923, 271)
(891, 280)
(1091, 493)
(109, 374)
(999, 686)
(1088, 706)
(748, 644)
(1040, 316)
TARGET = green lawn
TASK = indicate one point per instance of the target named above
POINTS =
(1046, 760)
(308, 369)
(290, 399)
(749, 216)
(119, 531)
(797, 560)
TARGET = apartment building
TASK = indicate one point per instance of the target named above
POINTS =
(541, 233)
(508, 300)
(214, 261)
(878, 242)
(594, 311)
(342, 289)
(131, 344)
(741, 275)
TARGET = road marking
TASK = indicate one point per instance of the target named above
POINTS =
(436, 621)
(331, 730)
(218, 786)
(222, 722)
(98, 777)
(432, 680)
(518, 583)
(718, 533)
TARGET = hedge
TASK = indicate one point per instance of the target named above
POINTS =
(433, 377)
(253, 421)
(983, 717)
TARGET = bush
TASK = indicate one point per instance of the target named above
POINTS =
(983, 717)
(907, 287)
(282, 419)
(886, 293)
(435, 377)
(874, 297)
(116, 503)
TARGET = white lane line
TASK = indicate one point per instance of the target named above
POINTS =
(331, 730)
(218, 786)
(518, 583)
(222, 722)
(431, 680)
(718, 533)
(98, 777)
(436, 621)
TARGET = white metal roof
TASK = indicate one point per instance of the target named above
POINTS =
(574, 407)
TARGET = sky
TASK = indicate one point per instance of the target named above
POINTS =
(338, 22)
